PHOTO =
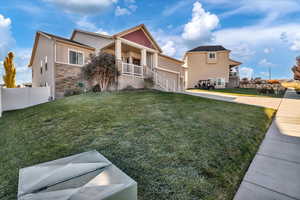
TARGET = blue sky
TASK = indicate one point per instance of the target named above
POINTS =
(262, 34)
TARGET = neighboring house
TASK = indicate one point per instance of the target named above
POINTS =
(57, 61)
(211, 62)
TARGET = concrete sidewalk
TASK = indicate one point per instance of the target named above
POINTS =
(274, 173)
(267, 102)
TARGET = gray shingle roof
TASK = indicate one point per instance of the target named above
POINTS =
(209, 48)
(65, 39)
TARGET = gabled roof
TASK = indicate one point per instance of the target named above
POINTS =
(55, 37)
(234, 63)
(171, 58)
(209, 48)
(143, 28)
(90, 33)
(65, 39)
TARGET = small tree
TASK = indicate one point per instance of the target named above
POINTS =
(10, 71)
(102, 68)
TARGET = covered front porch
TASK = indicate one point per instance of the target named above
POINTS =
(133, 59)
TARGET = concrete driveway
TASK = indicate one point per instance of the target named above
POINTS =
(267, 102)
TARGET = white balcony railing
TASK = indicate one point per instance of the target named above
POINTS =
(132, 69)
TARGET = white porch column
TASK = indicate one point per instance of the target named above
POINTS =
(143, 57)
(118, 49)
(155, 60)
(130, 59)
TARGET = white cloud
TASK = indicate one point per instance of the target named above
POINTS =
(246, 72)
(101, 31)
(268, 50)
(242, 51)
(271, 9)
(133, 7)
(175, 7)
(30, 8)
(83, 6)
(85, 24)
(171, 44)
(264, 75)
(122, 11)
(6, 38)
(199, 29)
(129, 1)
(265, 63)
(169, 48)
(4, 22)
(295, 45)
(264, 36)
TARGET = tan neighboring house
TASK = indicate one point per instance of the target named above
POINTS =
(211, 63)
(57, 61)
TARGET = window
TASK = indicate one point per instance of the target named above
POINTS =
(221, 82)
(41, 68)
(75, 57)
(46, 63)
(212, 55)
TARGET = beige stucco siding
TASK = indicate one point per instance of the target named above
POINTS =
(44, 52)
(92, 41)
(167, 63)
(200, 68)
(62, 52)
(173, 79)
(173, 70)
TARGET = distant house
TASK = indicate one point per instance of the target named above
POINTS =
(57, 62)
(211, 62)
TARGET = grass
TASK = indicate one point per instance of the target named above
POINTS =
(250, 92)
(174, 145)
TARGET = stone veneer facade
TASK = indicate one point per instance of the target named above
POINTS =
(66, 78)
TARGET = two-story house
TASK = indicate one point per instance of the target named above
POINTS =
(211, 63)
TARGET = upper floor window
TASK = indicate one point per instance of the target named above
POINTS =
(46, 63)
(212, 55)
(75, 57)
(41, 68)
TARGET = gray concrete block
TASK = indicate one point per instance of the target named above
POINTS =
(275, 174)
(281, 150)
(249, 191)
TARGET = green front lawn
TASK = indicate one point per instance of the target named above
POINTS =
(240, 92)
(174, 145)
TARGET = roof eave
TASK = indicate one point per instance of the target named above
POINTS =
(90, 33)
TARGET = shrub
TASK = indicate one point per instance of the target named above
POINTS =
(71, 92)
(96, 88)
(103, 69)
(148, 82)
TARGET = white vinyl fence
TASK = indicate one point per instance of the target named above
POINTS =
(19, 98)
